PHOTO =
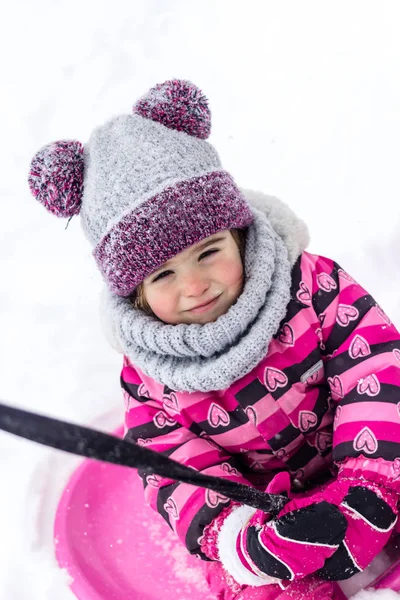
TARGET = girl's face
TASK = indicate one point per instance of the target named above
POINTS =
(199, 284)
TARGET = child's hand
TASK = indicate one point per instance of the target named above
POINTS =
(335, 532)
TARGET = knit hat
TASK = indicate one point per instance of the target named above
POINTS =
(147, 185)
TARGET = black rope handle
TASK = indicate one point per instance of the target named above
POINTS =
(91, 443)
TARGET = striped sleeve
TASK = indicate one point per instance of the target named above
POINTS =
(155, 423)
(361, 351)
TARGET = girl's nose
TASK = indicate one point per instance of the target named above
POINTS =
(194, 285)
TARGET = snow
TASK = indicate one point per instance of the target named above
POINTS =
(376, 595)
(305, 100)
(177, 558)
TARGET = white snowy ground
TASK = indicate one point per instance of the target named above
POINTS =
(305, 99)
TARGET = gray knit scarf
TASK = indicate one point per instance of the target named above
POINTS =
(193, 357)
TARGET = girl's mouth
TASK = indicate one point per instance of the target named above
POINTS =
(204, 307)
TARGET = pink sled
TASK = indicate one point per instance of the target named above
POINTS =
(115, 548)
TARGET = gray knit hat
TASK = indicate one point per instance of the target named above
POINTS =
(147, 185)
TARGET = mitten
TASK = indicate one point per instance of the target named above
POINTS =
(334, 531)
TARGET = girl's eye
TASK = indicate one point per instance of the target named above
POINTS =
(208, 253)
(166, 273)
(161, 275)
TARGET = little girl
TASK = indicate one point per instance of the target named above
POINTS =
(245, 357)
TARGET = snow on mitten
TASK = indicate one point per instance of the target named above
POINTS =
(371, 511)
(246, 551)
(334, 531)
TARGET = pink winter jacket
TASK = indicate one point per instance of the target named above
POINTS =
(327, 390)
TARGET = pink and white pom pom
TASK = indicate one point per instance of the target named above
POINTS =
(178, 105)
(56, 177)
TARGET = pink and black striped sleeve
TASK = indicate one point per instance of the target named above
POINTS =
(186, 508)
(361, 350)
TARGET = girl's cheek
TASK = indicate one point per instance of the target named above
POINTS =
(230, 271)
(162, 304)
(157, 301)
